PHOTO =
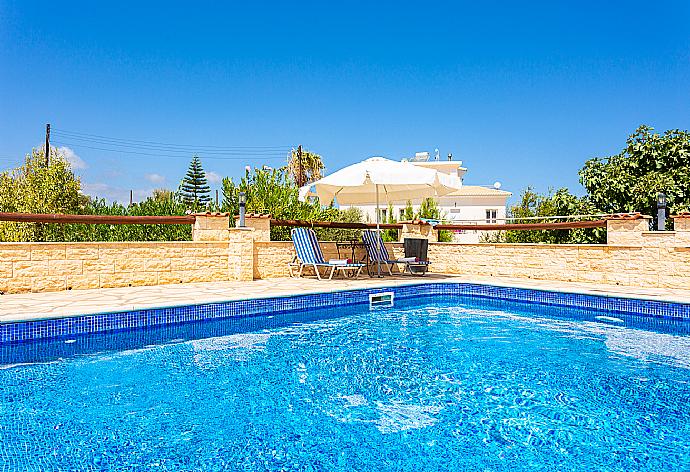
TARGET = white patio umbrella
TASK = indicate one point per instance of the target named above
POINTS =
(376, 177)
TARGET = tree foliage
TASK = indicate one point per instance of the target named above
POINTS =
(408, 214)
(194, 190)
(308, 168)
(161, 203)
(630, 180)
(35, 188)
(429, 210)
(559, 203)
(389, 234)
(272, 191)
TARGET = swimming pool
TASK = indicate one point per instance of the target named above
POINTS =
(456, 384)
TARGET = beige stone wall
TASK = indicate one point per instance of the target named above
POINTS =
(211, 227)
(38, 267)
(416, 230)
(633, 257)
(61, 266)
(623, 265)
(271, 258)
(626, 231)
(638, 266)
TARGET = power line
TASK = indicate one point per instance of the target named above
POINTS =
(224, 156)
(122, 141)
(147, 147)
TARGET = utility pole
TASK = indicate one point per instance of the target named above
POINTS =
(131, 197)
(47, 150)
(299, 163)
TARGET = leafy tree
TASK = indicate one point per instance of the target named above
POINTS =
(308, 168)
(628, 181)
(559, 203)
(350, 215)
(650, 163)
(194, 189)
(160, 203)
(162, 195)
(408, 215)
(429, 210)
(389, 234)
(35, 188)
(272, 191)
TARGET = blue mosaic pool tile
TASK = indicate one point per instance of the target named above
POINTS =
(62, 327)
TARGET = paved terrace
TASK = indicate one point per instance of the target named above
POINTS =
(33, 306)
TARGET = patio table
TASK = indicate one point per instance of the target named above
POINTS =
(352, 245)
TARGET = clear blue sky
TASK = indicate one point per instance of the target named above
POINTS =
(522, 92)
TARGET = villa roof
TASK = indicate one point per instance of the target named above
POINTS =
(477, 191)
(439, 164)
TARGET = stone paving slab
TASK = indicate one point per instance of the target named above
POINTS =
(33, 306)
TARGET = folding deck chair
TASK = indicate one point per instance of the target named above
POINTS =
(309, 254)
(377, 252)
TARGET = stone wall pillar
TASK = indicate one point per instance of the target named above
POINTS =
(626, 229)
(260, 223)
(215, 227)
(241, 253)
(681, 226)
(418, 229)
(211, 227)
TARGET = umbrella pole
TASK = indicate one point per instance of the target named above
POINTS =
(378, 230)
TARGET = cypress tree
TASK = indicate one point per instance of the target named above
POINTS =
(194, 189)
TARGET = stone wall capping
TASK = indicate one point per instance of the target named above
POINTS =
(681, 215)
(627, 216)
(211, 213)
(416, 222)
(418, 229)
(254, 215)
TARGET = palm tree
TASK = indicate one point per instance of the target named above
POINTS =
(306, 168)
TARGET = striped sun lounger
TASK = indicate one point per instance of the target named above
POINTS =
(309, 254)
(377, 252)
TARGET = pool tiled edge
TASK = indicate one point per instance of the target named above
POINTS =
(122, 320)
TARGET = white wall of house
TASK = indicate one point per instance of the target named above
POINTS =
(473, 210)
(462, 210)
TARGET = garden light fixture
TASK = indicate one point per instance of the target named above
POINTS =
(243, 204)
(661, 211)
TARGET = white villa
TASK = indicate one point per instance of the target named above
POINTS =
(472, 204)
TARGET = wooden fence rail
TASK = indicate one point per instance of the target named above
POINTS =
(189, 219)
(334, 224)
(97, 219)
(483, 227)
(527, 226)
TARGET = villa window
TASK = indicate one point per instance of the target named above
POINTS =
(491, 216)
(382, 214)
(402, 213)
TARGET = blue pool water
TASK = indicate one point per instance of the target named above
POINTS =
(450, 385)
